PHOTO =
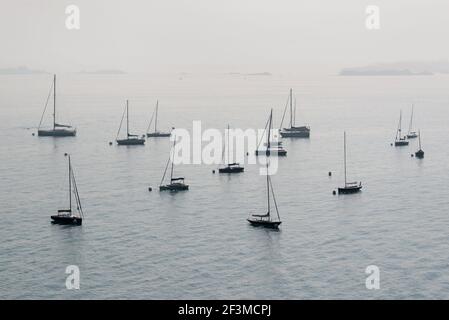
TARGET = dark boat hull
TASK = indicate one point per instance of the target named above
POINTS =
(130, 142)
(347, 190)
(419, 154)
(280, 153)
(77, 221)
(264, 223)
(400, 143)
(412, 136)
(231, 170)
(295, 134)
(158, 135)
(56, 133)
(174, 187)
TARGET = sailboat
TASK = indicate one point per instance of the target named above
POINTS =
(155, 133)
(67, 216)
(411, 134)
(350, 187)
(293, 131)
(274, 148)
(420, 153)
(58, 130)
(266, 220)
(400, 140)
(131, 139)
(176, 184)
(230, 167)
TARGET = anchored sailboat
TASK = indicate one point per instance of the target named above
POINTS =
(266, 220)
(350, 187)
(176, 184)
(58, 130)
(230, 167)
(155, 133)
(420, 153)
(399, 139)
(131, 139)
(411, 134)
(273, 148)
(67, 216)
(293, 131)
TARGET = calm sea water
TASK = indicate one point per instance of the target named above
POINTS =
(197, 244)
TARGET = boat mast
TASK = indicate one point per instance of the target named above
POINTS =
(54, 102)
(173, 155)
(344, 142)
(228, 146)
(155, 122)
(419, 139)
(400, 124)
(70, 185)
(291, 108)
(411, 120)
(268, 153)
(127, 120)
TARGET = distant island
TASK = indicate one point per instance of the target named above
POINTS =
(252, 74)
(416, 68)
(21, 70)
(105, 71)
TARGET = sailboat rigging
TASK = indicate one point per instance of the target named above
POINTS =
(420, 153)
(131, 139)
(267, 220)
(273, 148)
(349, 187)
(411, 134)
(230, 167)
(156, 133)
(58, 130)
(176, 184)
(399, 139)
(293, 131)
(67, 216)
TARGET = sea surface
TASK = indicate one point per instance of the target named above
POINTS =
(136, 244)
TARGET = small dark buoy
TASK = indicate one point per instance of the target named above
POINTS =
(411, 155)
(213, 171)
(330, 173)
(32, 134)
(247, 153)
(334, 192)
(391, 144)
(110, 143)
(65, 154)
(150, 189)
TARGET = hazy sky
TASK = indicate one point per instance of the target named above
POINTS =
(220, 35)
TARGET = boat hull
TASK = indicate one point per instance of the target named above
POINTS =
(419, 154)
(130, 142)
(264, 223)
(174, 187)
(295, 134)
(400, 143)
(231, 170)
(158, 135)
(56, 133)
(67, 220)
(281, 153)
(348, 190)
(412, 135)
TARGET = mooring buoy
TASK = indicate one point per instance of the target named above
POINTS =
(213, 171)
(110, 143)
(334, 192)
(330, 173)
(150, 189)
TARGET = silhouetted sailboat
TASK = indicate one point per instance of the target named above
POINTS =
(58, 130)
(176, 184)
(420, 153)
(293, 131)
(272, 148)
(349, 187)
(155, 133)
(131, 139)
(67, 216)
(411, 134)
(399, 139)
(266, 220)
(230, 167)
